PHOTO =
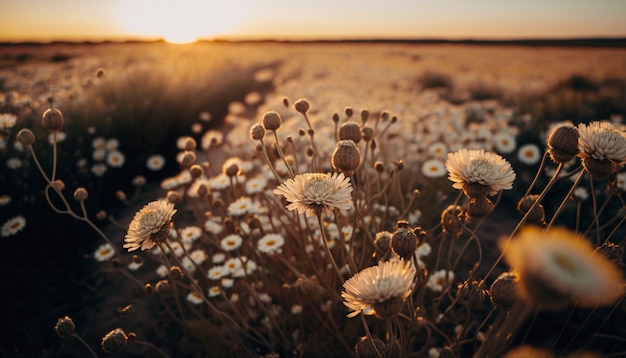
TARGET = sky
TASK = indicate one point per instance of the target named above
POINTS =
(187, 20)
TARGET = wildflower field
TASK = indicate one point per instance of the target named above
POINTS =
(312, 200)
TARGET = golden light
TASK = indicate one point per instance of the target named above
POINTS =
(181, 21)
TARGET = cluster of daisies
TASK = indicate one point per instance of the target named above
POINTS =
(311, 206)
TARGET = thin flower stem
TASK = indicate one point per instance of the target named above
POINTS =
(327, 249)
(522, 221)
(565, 200)
(54, 155)
(269, 162)
(370, 338)
(148, 344)
(281, 154)
(82, 341)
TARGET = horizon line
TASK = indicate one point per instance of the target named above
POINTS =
(591, 41)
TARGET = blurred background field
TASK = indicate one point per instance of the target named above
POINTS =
(141, 97)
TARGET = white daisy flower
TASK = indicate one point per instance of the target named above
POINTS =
(477, 166)
(149, 225)
(371, 288)
(194, 297)
(190, 234)
(504, 142)
(162, 271)
(529, 154)
(217, 272)
(211, 138)
(256, 185)
(433, 168)
(317, 193)
(214, 226)
(271, 243)
(231, 242)
(98, 169)
(214, 291)
(155, 162)
(13, 226)
(104, 252)
(440, 280)
(557, 266)
(4, 199)
(7, 120)
(240, 206)
(115, 159)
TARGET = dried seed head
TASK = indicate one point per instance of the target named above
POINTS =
(479, 207)
(310, 151)
(600, 169)
(114, 341)
(286, 102)
(58, 185)
(365, 347)
(503, 291)
(272, 120)
(257, 132)
(346, 158)
(302, 105)
(176, 273)
(100, 73)
(348, 111)
(382, 244)
(404, 241)
(384, 116)
(476, 190)
(389, 308)
(203, 190)
(232, 170)
(80, 194)
(120, 195)
(379, 167)
(196, 171)
(537, 216)
(368, 133)
(451, 220)
(365, 114)
(187, 158)
(189, 143)
(350, 131)
(563, 143)
(174, 197)
(65, 327)
(472, 293)
(26, 136)
(163, 286)
(52, 119)
(335, 117)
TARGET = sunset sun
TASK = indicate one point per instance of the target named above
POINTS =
(183, 21)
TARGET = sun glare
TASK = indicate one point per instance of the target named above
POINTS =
(183, 21)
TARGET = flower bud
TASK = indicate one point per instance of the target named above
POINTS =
(272, 120)
(472, 293)
(257, 132)
(80, 194)
(348, 111)
(58, 185)
(114, 341)
(404, 241)
(232, 170)
(52, 119)
(365, 348)
(26, 136)
(196, 171)
(346, 158)
(286, 102)
(351, 131)
(382, 244)
(65, 327)
(187, 158)
(503, 291)
(389, 308)
(537, 216)
(189, 143)
(174, 197)
(335, 117)
(476, 190)
(367, 133)
(365, 114)
(563, 143)
(600, 169)
(479, 207)
(302, 105)
(451, 221)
